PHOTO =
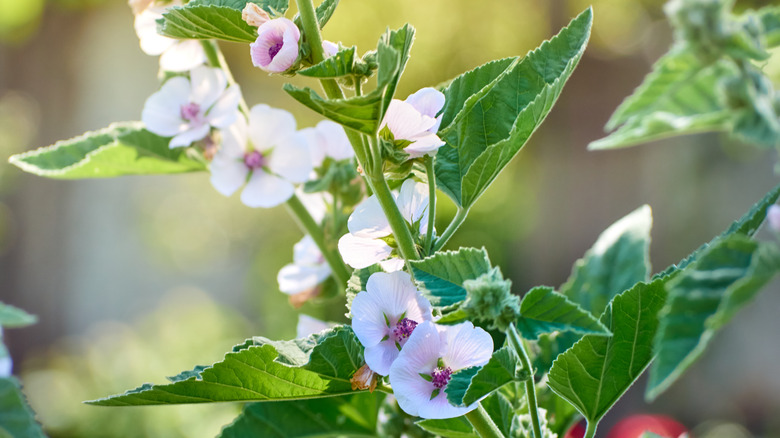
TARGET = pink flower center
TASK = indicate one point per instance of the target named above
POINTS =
(254, 160)
(274, 49)
(404, 329)
(191, 112)
(440, 377)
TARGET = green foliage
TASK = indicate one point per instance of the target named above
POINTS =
(121, 149)
(471, 384)
(324, 11)
(214, 19)
(505, 108)
(442, 274)
(543, 310)
(261, 370)
(338, 65)
(354, 415)
(12, 317)
(770, 22)
(16, 417)
(703, 298)
(357, 283)
(489, 300)
(496, 405)
(522, 428)
(618, 260)
(597, 370)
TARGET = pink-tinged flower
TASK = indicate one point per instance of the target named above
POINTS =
(308, 326)
(268, 155)
(175, 55)
(187, 109)
(385, 315)
(276, 47)
(307, 271)
(773, 217)
(415, 120)
(366, 243)
(327, 139)
(424, 367)
(329, 48)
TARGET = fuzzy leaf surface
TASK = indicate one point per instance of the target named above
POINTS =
(338, 65)
(354, 415)
(471, 384)
(261, 370)
(121, 149)
(484, 131)
(214, 19)
(703, 298)
(16, 417)
(598, 370)
(443, 273)
(543, 310)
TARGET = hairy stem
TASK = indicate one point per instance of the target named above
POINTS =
(217, 59)
(457, 221)
(482, 423)
(308, 225)
(431, 203)
(530, 387)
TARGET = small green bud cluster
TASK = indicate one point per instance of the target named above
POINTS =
(489, 300)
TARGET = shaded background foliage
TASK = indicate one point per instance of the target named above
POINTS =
(133, 278)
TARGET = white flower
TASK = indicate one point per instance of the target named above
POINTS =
(385, 315)
(425, 365)
(308, 325)
(368, 227)
(187, 109)
(276, 47)
(175, 55)
(415, 120)
(268, 156)
(329, 48)
(327, 139)
(308, 269)
(773, 217)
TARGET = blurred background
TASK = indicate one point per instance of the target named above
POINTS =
(134, 279)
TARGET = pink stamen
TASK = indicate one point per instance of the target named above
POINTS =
(190, 112)
(254, 160)
(440, 377)
(273, 50)
(404, 329)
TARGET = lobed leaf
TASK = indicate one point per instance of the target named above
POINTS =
(443, 273)
(338, 65)
(261, 370)
(543, 310)
(120, 149)
(469, 385)
(353, 415)
(598, 370)
(506, 107)
(16, 417)
(702, 298)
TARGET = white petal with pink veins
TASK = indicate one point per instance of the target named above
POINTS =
(428, 101)
(265, 190)
(413, 203)
(225, 110)
(162, 110)
(425, 145)
(405, 122)
(190, 135)
(208, 84)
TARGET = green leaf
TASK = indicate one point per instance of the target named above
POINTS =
(618, 260)
(214, 19)
(287, 370)
(597, 370)
(443, 273)
(543, 310)
(121, 149)
(747, 225)
(354, 415)
(471, 384)
(770, 21)
(11, 317)
(357, 283)
(16, 417)
(458, 427)
(703, 298)
(324, 11)
(522, 427)
(491, 126)
(338, 65)
(500, 411)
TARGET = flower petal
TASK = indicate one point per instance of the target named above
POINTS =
(290, 159)
(428, 101)
(145, 25)
(294, 278)
(228, 174)
(308, 325)
(368, 220)
(208, 84)
(398, 295)
(337, 145)
(192, 134)
(267, 126)
(316, 145)
(467, 346)
(419, 355)
(360, 252)
(162, 110)
(316, 203)
(225, 110)
(368, 319)
(425, 145)
(405, 122)
(380, 357)
(392, 264)
(183, 56)
(413, 203)
(266, 190)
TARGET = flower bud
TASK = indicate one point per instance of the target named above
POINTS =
(489, 300)
(364, 378)
(276, 47)
(253, 14)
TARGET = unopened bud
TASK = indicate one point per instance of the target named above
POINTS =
(253, 14)
(301, 298)
(364, 378)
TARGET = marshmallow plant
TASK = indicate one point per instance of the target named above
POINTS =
(440, 330)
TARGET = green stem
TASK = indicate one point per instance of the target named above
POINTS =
(457, 221)
(590, 431)
(308, 225)
(217, 59)
(403, 236)
(530, 387)
(431, 203)
(482, 423)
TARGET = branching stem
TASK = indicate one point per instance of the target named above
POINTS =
(530, 387)
(457, 221)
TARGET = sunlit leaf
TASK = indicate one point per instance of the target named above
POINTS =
(543, 310)
(16, 417)
(442, 274)
(471, 384)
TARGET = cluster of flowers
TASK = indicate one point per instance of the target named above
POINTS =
(262, 151)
